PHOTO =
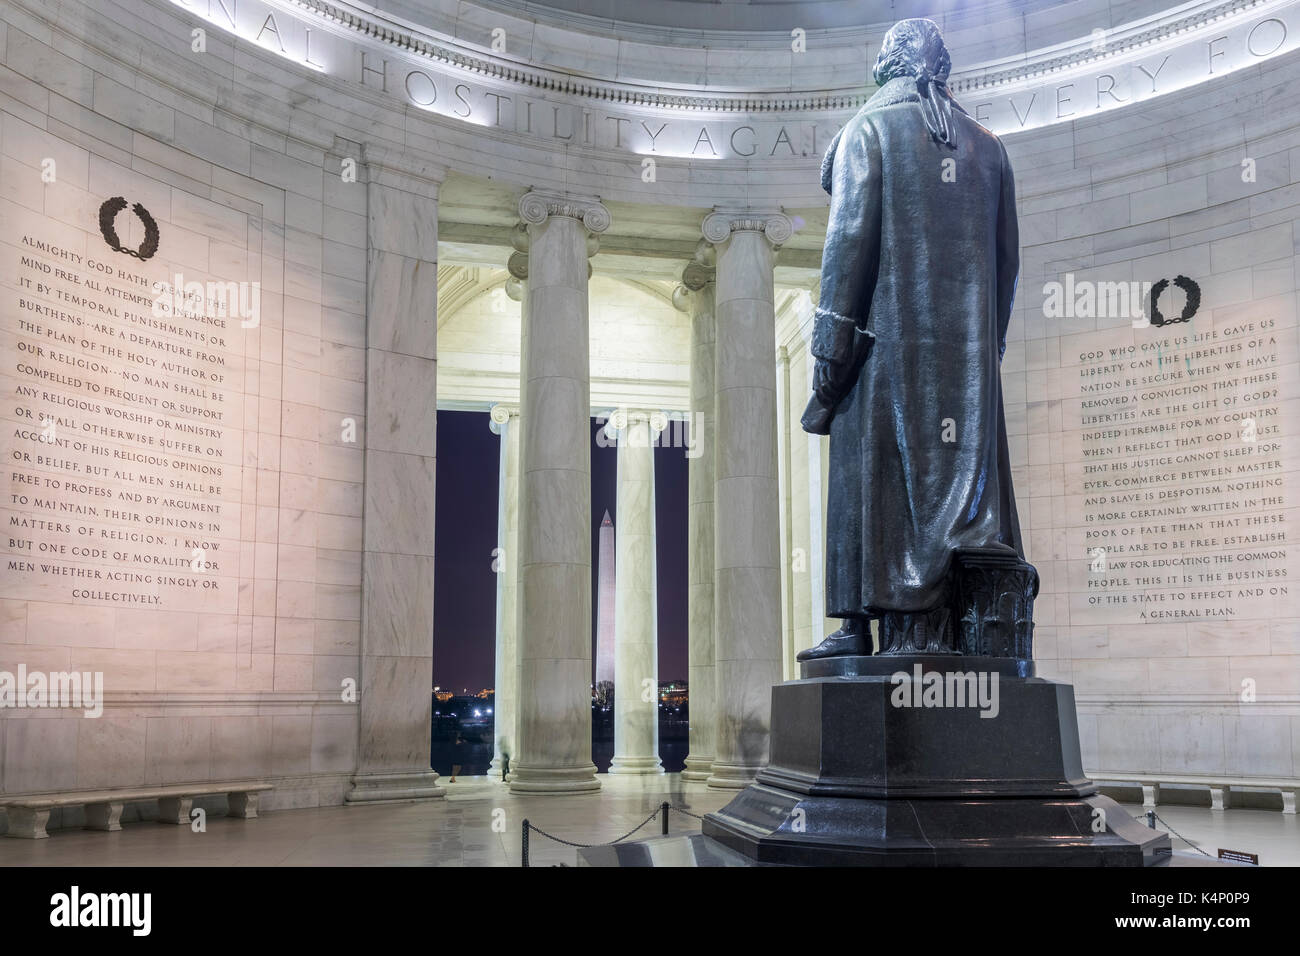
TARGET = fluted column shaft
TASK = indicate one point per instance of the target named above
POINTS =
(554, 643)
(505, 423)
(747, 581)
(636, 616)
(701, 293)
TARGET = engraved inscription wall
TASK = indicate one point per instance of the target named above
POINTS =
(1178, 453)
(126, 395)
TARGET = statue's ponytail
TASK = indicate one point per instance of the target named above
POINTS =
(915, 48)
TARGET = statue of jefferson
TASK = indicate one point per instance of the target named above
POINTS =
(918, 276)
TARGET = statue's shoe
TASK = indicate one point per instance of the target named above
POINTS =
(842, 643)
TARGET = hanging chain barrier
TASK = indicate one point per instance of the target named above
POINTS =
(1152, 817)
(663, 809)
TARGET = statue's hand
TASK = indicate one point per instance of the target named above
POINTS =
(825, 384)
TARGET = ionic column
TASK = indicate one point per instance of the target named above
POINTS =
(396, 653)
(636, 617)
(747, 568)
(698, 293)
(505, 423)
(554, 643)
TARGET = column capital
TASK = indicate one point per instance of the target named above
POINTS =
(501, 413)
(517, 266)
(699, 272)
(620, 419)
(696, 275)
(519, 238)
(721, 223)
(536, 207)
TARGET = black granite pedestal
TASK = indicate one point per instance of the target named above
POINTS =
(960, 761)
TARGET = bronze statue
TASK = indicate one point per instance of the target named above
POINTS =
(917, 282)
(918, 277)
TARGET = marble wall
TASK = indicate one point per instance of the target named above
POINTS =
(247, 680)
(278, 631)
(1132, 439)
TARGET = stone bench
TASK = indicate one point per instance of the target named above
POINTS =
(1220, 787)
(29, 814)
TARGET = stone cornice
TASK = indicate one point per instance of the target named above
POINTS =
(402, 169)
(1062, 58)
(360, 29)
(1084, 52)
(379, 29)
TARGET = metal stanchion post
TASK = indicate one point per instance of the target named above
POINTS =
(664, 808)
(524, 844)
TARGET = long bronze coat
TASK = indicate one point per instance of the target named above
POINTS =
(918, 276)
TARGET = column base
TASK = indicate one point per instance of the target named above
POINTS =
(635, 765)
(698, 769)
(732, 776)
(394, 787)
(525, 779)
(494, 769)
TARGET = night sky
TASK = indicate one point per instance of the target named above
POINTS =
(464, 619)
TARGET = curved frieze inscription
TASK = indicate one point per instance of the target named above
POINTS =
(552, 108)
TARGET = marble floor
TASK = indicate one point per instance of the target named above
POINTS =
(459, 831)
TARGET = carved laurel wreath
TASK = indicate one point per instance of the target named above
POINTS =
(1190, 288)
(108, 213)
